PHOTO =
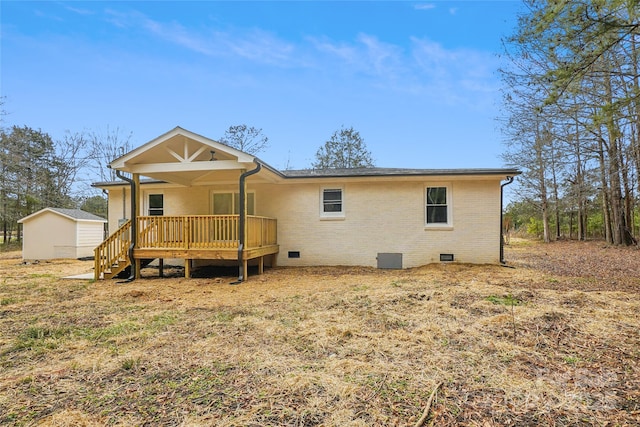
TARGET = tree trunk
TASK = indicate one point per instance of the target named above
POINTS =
(604, 186)
(544, 203)
(556, 200)
(582, 212)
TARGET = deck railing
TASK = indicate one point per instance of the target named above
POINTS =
(182, 232)
(203, 232)
(112, 251)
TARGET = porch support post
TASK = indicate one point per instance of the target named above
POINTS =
(261, 265)
(136, 183)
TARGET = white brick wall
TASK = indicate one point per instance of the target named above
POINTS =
(384, 217)
(381, 215)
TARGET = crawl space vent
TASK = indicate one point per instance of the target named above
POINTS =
(389, 260)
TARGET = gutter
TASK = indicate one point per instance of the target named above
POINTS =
(134, 227)
(241, 222)
(509, 181)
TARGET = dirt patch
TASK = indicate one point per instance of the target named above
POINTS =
(334, 346)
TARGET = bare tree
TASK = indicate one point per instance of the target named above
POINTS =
(247, 139)
(105, 147)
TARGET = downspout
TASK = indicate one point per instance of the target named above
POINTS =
(105, 231)
(241, 222)
(134, 226)
(509, 181)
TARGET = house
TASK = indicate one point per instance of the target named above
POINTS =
(60, 233)
(202, 202)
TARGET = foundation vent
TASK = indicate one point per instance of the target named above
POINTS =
(389, 260)
(446, 257)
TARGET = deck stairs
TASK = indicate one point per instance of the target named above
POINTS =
(112, 255)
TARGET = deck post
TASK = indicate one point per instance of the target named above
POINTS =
(138, 267)
(161, 267)
(187, 268)
(261, 265)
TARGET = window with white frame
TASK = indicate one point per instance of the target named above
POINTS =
(332, 202)
(229, 203)
(438, 206)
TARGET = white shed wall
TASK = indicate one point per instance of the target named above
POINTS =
(89, 235)
(48, 236)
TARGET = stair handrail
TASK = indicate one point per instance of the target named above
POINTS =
(112, 250)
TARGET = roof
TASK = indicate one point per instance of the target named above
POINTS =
(358, 172)
(75, 214)
(339, 173)
(119, 182)
(185, 158)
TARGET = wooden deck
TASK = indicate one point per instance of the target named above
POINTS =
(188, 237)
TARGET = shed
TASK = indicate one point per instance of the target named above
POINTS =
(61, 233)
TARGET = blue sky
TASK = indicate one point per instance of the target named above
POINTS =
(418, 80)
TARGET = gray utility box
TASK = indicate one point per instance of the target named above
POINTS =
(389, 260)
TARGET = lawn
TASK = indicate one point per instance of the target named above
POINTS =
(553, 341)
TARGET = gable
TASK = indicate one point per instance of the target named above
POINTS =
(183, 157)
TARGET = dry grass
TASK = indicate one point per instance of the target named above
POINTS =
(533, 345)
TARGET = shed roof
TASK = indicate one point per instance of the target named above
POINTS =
(74, 214)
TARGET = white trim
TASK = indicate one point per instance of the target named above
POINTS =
(122, 162)
(440, 225)
(332, 215)
(145, 201)
(41, 211)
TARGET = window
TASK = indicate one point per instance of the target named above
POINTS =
(229, 203)
(156, 204)
(332, 203)
(437, 206)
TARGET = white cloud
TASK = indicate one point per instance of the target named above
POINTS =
(177, 34)
(458, 75)
(79, 11)
(259, 46)
(366, 55)
(424, 6)
(425, 68)
(254, 45)
(347, 53)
